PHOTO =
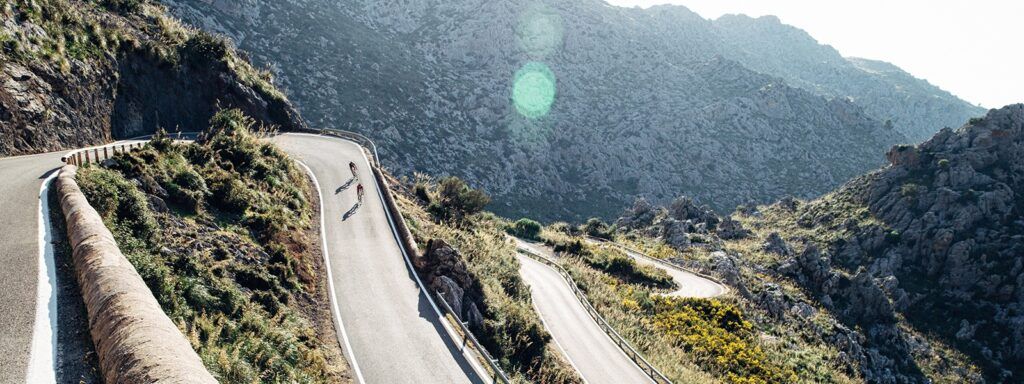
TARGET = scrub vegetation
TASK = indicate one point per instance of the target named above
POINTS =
(511, 330)
(222, 231)
(689, 340)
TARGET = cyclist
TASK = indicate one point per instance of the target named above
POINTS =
(359, 191)
(352, 167)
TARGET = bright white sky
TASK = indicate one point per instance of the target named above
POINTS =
(971, 48)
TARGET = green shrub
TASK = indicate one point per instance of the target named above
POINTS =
(123, 6)
(910, 190)
(618, 264)
(204, 48)
(456, 200)
(118, 201)
(594, 227)
(525, 228)
(564, 228)
(573, 246)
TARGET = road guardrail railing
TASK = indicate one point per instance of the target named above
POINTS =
(621, 342)
(497, 373)
(80, 157)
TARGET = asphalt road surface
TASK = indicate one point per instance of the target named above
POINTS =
(20, 180)
(393, 332)
(580, 339)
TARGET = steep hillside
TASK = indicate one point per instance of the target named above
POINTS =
(916, 268)
(941, 231)
(85, 72)
(913, 106)
(644, 104)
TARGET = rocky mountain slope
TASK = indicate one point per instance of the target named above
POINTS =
(915, 269)
(646, 102)
(886, 92)
(84, 72)
(941, 232)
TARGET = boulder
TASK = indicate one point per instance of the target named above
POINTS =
(730, 229)
(775, 244)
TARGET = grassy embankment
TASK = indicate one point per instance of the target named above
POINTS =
(511, 330)
(234, 258)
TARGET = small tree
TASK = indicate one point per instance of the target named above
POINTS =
(594, 227)
(456, 200)
(525, 228)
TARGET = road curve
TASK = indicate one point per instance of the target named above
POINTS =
(393, 333)
(690, 284)
(591, 351)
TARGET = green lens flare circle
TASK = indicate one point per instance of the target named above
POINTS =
(533, 90)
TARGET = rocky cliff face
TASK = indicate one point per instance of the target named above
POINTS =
(944, 232)
(647, 102)
(77, 73)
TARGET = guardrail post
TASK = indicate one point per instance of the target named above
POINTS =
(105, 155)
(96, 154)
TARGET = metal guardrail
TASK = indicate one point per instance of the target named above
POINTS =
(621, 342)
(357, 138)
(497, 372)
(80, 157)
(659, 261)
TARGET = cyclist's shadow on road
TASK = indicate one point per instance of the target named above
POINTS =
(345, 186)
(351, 211)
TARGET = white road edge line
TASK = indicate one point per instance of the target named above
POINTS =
(330, 279)
(472, 360)
(42, 355)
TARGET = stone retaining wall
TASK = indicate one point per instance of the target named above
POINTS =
(391, 208)
(135, 340)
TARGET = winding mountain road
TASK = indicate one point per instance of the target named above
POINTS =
(592, 352)
(389, 328)
(596, 358)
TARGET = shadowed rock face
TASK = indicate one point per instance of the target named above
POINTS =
(945, 248)
(654, 103)
(121, 92)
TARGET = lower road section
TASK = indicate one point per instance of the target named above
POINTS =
(580, 339)
(393, 333)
